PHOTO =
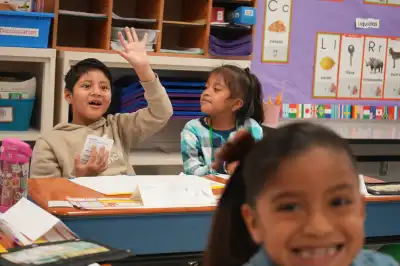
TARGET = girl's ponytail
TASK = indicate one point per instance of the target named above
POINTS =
(229, 241)
(256, 97)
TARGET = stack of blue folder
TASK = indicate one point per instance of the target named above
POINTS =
(184, 95)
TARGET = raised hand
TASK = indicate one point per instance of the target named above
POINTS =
(98, 163)
(134, 50)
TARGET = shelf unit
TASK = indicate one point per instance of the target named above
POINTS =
(180, 23)
(42, 64)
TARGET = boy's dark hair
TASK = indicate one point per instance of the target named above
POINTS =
(82, 67)
(245, 85)
(230, 243)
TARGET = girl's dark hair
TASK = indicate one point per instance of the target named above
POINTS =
(81, 68)
(245, 85)
(230, 243)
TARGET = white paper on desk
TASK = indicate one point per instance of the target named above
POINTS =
(29, 219)
(98, 142)
(175, 194)
(59, 204)
(117, 185)
(363, 187)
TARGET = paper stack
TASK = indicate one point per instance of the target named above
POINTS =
(26, 223)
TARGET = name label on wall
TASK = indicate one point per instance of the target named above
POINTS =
(367, 23)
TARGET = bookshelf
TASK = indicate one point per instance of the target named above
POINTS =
(182, 25)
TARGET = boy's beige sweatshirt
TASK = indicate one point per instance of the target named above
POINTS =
(54, 152)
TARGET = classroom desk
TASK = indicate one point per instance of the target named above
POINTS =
(173, 230)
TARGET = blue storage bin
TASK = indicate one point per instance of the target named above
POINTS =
(25, 29)
(20, 111)
(244, 15)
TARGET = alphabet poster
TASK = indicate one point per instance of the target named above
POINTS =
(326, 65)
(350, 66)
(277, 31)
(392, 79)
(362, 68)
(373, 67)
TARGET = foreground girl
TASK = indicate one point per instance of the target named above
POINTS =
(294, 200)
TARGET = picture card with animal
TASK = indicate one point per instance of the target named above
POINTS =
(373, 67)
(277, 26)
(350, 65)
(392, 79)
(326, 65)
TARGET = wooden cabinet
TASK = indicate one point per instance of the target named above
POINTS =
(182, 27)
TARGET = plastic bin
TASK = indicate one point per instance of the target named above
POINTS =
(244, 15)
(25, 29)
(152, 35)
(15, 115)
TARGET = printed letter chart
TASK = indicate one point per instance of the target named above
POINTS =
(373, 67)
(350, 65)
(392, 79)
(277, 31)
(326, 65)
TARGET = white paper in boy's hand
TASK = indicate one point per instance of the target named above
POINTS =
(98, 142)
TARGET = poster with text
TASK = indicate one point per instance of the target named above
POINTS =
(373, 71)
(276, 42)
(394, 2)
(326, 65)
(392, 79)
(350, 66)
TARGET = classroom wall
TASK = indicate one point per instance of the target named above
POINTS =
(308, 18)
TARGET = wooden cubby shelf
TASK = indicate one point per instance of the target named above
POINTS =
(182, 28)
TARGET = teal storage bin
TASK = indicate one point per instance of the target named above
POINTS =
(15, 115)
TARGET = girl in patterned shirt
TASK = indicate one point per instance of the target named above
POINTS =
(232, 99)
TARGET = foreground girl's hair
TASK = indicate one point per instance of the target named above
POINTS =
(230, 243)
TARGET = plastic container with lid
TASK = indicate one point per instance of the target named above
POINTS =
(14, 171)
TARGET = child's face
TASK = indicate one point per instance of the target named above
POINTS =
(91, 97)
(216, 99)
(312, 212)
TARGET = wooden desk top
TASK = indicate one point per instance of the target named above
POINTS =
(42, 190)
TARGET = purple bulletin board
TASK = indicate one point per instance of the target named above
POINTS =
(308, 18)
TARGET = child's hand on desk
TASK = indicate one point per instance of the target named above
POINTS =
(134, 51)
(98, 163)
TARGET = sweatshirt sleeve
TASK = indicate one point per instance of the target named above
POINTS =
(193, 164)
(44, 162)
(134, 128)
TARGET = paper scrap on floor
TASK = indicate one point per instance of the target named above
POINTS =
(28, 223)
